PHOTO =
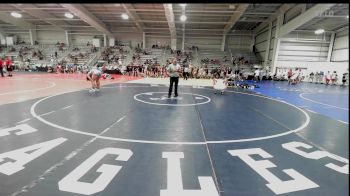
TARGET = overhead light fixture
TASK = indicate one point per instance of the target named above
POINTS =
(347, 16)
(183, 18)
(125, 16)
(319, 31)
(68, 15)
(16, 14)
(183, 5)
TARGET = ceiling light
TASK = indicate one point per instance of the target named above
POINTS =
(125, 16)
(347, 16)
(319, 31)
(231, 6)
(183, 18)
(69, 15)
(183, 5)
(16, 15)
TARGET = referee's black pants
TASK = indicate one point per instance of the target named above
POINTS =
(172, 81)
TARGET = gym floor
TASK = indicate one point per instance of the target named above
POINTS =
(130, 139)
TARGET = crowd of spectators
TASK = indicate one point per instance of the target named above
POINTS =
(156, 46)
(113, 58)
(225, 59)
(328, 78)
(317, 77)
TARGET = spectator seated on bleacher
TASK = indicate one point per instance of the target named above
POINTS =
(50, 69)
(12, 49)
(20, 42)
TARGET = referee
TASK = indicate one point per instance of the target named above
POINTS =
(173, 70)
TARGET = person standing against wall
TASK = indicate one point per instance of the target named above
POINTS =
(173, 70)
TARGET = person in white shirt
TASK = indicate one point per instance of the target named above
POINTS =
(219, 84)
(94, 76)
(123, 69)
(186, 73)
(256, 74)
(334, 78)
(295, 78)
(261, 74)
(173, 70)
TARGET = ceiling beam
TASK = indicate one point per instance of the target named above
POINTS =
(187, 22)
(187, 11)
(342, 28)
(133, 15)
(280, 10)
(42, 15)
(304, 17)
(89, 18)
(344, 25)
(251, 20)
(209, 11)
(57, 19)
(19, 22)
(235, 17)
(169, 14)
(45, 8)
(259, 13)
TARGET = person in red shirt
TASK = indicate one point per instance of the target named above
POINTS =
(1, 67)
(9, 66)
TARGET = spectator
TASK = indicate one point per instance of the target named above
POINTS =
(186, 73)
(289, 74)
(328, 77)
(311, 76)
(1, 68)
(344, 79)
(334, 78)
(9, 66)
(256, 74)
(320, 78)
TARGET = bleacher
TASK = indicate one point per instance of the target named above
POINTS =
(85, 50)
(250, 56)
(212, 55)
(48, 52)
(152, 54)
(116, 53)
